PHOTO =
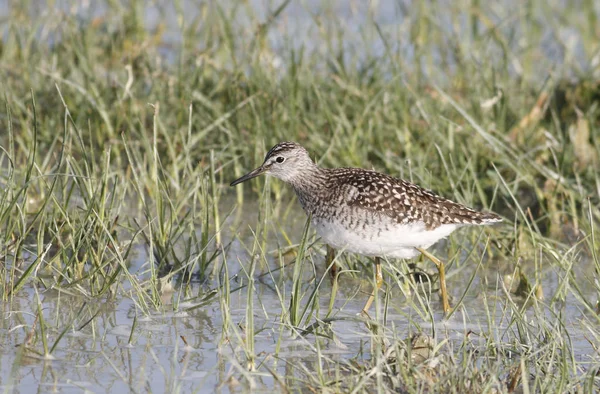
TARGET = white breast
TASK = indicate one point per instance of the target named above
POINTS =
(399, 241)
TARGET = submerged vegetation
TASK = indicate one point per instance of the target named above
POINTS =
(124, 124)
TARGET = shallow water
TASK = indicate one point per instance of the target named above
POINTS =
(101, 358)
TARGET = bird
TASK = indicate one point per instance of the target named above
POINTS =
(367, 212)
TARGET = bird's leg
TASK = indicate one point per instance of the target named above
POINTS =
(378, 283)
(442, 275)
(328, 260)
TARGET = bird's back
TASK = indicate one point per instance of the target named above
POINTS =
(400, 200)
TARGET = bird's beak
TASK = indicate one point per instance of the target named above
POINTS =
(250, 175)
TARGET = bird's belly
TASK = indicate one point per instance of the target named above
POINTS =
(387, 239)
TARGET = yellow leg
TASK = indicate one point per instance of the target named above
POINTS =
(442, 274)
(328, 259)
(378, 283)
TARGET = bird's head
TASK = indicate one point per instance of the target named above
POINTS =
(286, 161)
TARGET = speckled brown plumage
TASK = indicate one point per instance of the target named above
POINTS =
(396, 198)
(403, 201)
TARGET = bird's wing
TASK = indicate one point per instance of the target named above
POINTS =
(406, 202)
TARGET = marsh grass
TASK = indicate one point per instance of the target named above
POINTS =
(118, 142)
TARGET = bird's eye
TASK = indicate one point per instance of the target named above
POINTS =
(280, 159)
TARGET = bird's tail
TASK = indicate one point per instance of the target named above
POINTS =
(489, 218)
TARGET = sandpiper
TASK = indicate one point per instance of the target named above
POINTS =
(369, 213)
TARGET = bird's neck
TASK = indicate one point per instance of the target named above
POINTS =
(310, 187)
(310, 179)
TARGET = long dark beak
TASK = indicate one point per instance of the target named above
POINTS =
(250, 175)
